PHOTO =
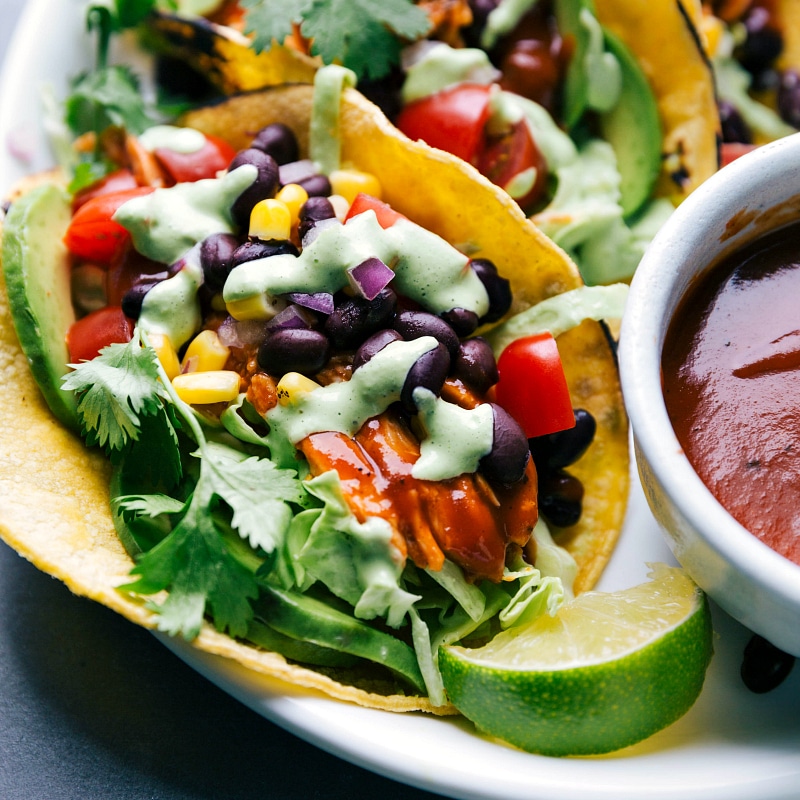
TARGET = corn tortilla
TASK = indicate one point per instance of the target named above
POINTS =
(57, 513)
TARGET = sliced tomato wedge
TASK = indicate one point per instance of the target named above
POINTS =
(92, 234)
(362, 202)
(215, 155)
(452, 119)
(533, 387)
(90, 334)
(120, 180)
(730, 151)
(508, 157)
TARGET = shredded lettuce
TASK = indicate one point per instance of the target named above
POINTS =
(355, 560)
(561, 312)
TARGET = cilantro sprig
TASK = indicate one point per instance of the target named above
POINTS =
(364, 35)
(236, 514)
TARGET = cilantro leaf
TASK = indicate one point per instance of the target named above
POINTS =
(271, 21)
(203, 562)
(363, 35)
(115, 390)
(257, 492)
(107, 17)
(199, 571)
(148, 505)
(106, 97)
(197, 567)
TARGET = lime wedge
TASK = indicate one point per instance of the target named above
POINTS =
(609, 670)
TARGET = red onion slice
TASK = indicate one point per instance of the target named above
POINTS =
(370, 278)
(316, 301)
(292, 317)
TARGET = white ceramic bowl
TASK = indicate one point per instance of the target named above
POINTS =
(756, 193)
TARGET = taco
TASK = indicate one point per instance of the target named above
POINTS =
(754, 48)
(598, 116)
(207, 520)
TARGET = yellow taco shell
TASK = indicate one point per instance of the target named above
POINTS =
(56, 509)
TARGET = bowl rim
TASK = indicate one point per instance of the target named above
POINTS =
(662, 277)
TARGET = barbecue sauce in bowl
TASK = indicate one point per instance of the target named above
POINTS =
(731, 373)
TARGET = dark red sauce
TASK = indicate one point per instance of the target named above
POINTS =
(731, 370)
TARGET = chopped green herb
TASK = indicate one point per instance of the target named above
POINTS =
(363, 35)
(115, 391)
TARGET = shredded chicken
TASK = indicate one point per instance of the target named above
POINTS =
(464, 518)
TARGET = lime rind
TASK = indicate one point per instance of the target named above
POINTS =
(593, 708)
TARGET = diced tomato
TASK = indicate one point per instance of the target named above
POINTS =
(505, 157)
(730, 151)
(455, 120)
(90, 334)
(452, 119)
(386, 215)
(119, 181)
(92, 234)
(533, 387)
(215, 155)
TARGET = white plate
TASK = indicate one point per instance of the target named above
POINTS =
(732, 745)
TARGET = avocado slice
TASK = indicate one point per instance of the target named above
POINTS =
(36, 269)
(633, 128)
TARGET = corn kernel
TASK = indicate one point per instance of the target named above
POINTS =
(294, 196)
(292, 386)
(201, 388)
(260, 306)
(166, 353)
(270, 219)
(204, 353)
(349, 182)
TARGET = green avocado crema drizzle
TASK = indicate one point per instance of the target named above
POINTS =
(426, 268)
(167, 225)
(446, 451)
(171, 307)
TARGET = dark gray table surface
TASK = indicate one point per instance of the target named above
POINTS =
(94, 708)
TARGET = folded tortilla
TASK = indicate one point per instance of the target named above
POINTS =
(56, 509)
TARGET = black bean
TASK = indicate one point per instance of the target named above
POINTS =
(354, 319)
(560, 498)
(374, 344)
(277, 140)
(312, 211)
(264, 186)
(463, 322)
(216, 252)
(294, 350)
(764, 666)
(788, 98)
(475, 364)
(414, 324)
(428, 372)
(317, 185)
(497, 287)
(734, 128)
(252, 250)
(763, 41)
(558, 450)
(132, 299)
(509, 456)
